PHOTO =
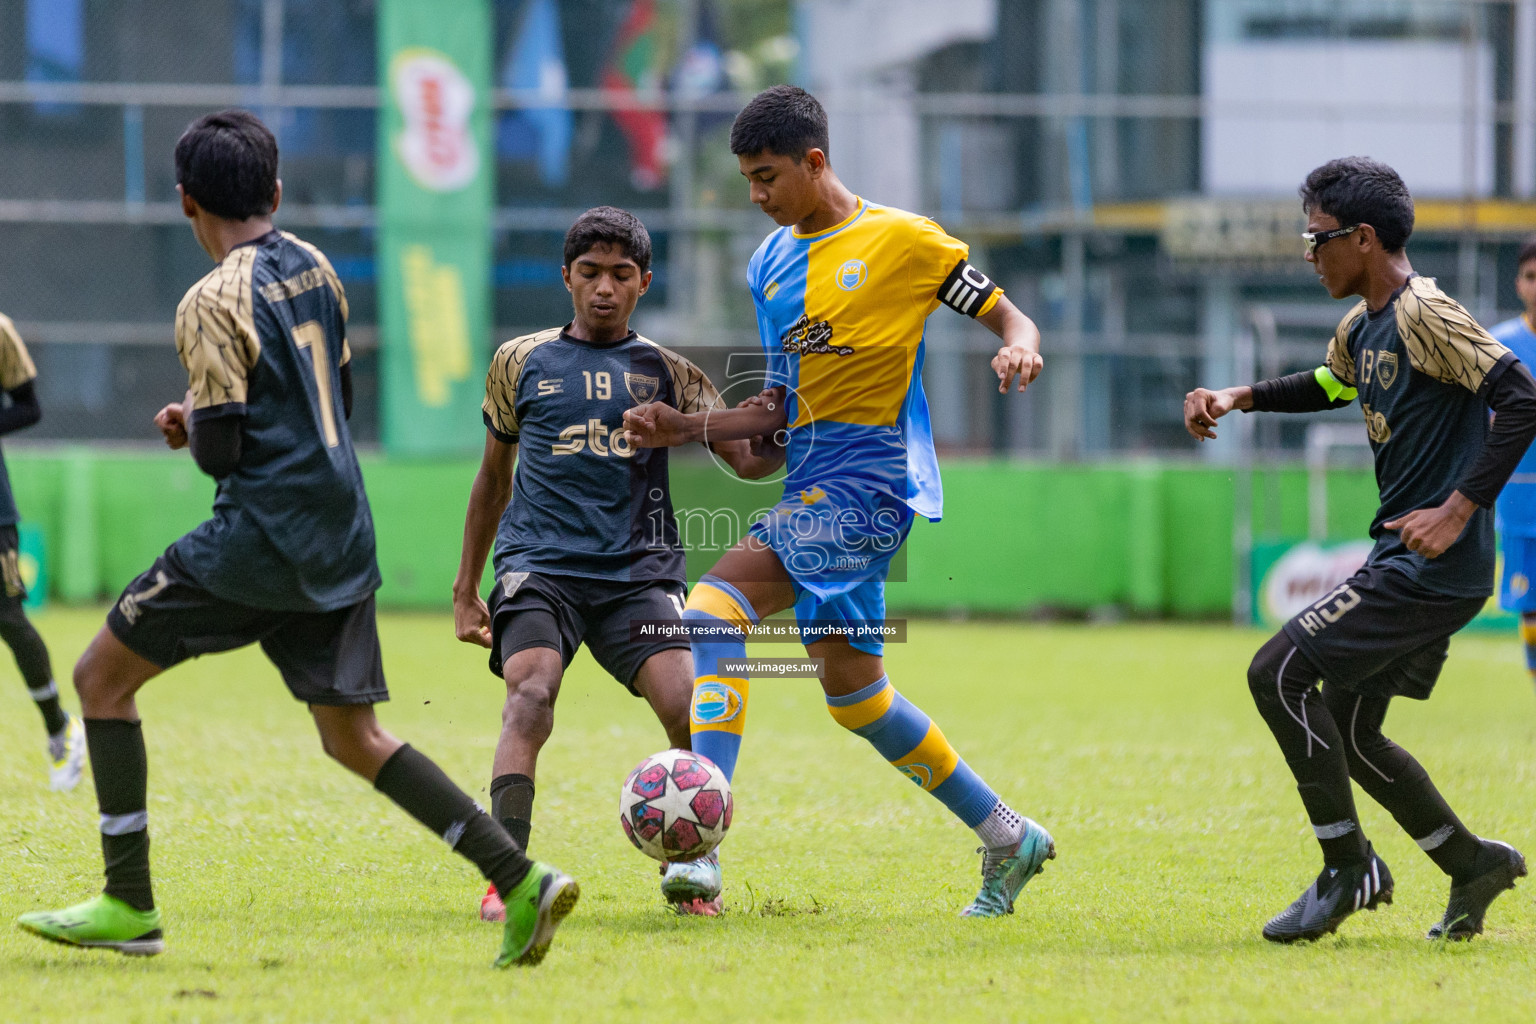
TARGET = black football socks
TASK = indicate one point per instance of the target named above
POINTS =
(32, 659)
(512, 805)
(1395, 780)
(413, 781)
(120, 769)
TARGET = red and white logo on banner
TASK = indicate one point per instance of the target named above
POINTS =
(435, 100)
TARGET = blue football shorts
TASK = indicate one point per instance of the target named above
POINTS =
(836, 540)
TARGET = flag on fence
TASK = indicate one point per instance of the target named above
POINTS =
(536, 63)
(634, 69)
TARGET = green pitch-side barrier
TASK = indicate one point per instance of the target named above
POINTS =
(1152, 539)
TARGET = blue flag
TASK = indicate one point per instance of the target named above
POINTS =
(536, 63)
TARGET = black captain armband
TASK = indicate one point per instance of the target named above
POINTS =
(967, 290)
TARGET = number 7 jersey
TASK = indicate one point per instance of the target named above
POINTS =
(263, 338)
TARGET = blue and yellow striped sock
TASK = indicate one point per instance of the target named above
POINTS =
(909, 740)
(1528, 636)
(719, 618)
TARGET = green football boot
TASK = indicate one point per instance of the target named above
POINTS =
(105, 922)
(534, 910)
(1004, 872)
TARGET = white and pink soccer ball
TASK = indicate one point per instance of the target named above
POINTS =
(675, 806)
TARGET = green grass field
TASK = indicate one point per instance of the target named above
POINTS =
(292, 892)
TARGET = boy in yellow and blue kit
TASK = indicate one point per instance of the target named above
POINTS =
(842, 291)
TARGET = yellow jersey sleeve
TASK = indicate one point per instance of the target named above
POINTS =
(1339, 362)
(940, 272)
(216, 337)
(1442, 338)
(15, 361)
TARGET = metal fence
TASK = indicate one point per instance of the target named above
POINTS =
(1087, 149)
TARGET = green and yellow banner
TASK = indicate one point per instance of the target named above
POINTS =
(435, 193)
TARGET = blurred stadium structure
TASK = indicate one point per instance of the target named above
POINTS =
(1126, 168)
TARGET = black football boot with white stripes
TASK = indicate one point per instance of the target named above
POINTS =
(1337, 893)
(1498, 865)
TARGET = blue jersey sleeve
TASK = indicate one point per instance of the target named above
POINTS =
(1517, 503)
(777, 374)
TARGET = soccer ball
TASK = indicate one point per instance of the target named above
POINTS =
(675, 806)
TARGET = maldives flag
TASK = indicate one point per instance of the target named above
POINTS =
(631, 70)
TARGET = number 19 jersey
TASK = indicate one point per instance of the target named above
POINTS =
(584, 501)
(263, 338)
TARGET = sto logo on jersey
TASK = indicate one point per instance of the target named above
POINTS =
(714, 703)
(851, 275)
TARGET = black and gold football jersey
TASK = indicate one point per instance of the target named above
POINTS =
(263, 337)
(584, 502)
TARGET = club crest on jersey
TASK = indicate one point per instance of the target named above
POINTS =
(714, 703)
(851, 275)
(918, 773)
(642, 388)
(1386, 369)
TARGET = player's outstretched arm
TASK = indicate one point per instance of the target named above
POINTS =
(760, 456)
(1020, 354)
(658, 425)
(488, 498)
(1203, 407)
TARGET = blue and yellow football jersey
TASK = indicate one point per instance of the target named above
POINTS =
(841, 315)
(1517, 503)
(263, 337)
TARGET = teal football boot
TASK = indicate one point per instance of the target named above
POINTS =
(1004, 871)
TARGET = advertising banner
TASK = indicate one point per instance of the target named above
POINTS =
(435, 196)
(1289, 576)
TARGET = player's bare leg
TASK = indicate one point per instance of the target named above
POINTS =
(665, 680)
(527, 718)
(353, 737)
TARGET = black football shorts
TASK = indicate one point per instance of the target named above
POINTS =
(563, 612)
(328, 658)
(1381, 634)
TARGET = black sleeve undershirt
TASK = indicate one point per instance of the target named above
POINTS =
(1511, 394)
(216, 445)
(216, 442)
(1296, 392)
(23, 410)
